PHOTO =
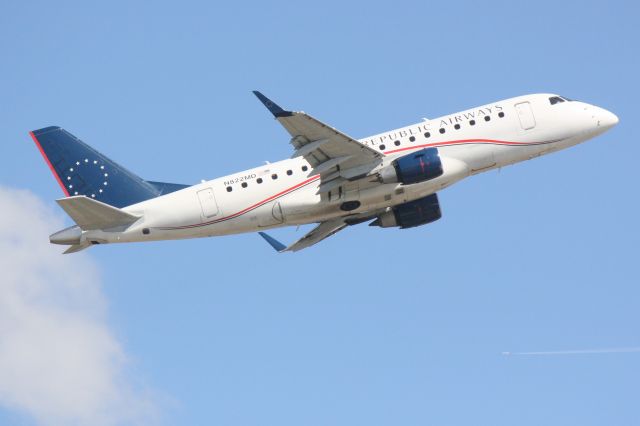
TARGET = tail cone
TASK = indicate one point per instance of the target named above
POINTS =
(68, 236)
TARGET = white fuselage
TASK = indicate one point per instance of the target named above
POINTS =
(286, 192)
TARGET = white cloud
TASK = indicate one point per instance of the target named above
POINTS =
(59, 361)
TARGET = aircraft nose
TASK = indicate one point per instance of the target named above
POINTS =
(606, 119)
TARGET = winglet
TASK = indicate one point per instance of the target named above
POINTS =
(273, 107)
(277, 245)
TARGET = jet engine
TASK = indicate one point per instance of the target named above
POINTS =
(414, 213)
(413, 168)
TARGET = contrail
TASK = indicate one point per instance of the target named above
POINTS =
(576, 352)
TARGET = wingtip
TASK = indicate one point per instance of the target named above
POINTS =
(277, 245)
(273, 107)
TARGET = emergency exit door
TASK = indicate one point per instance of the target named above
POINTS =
(525, 114)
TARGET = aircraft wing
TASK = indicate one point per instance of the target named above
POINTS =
(317, 234)
(337, 157)
(323, 230)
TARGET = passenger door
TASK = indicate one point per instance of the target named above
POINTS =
(208, 203)
(525, 114)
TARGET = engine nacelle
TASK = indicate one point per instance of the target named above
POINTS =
(414, 213)
(413, 168)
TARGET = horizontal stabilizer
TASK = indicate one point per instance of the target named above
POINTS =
(76, 248)
(92, 214)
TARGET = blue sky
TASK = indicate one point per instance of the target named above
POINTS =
(373, 326)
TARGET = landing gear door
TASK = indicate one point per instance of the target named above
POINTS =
(269, 214)
(525, 114)
(276, 212)
(208, 203)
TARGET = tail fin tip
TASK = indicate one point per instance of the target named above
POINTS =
(39, 132)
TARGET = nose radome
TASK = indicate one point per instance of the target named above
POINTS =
(607, 119)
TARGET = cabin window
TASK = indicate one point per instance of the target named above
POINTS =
(472, 122)
(229, 189)
(289, 172)
(244, 184)
(427, 135)
(457, 127)
(396, 143)
(304, 168)
(442, 130)
(487, 118)
(412, 138)
(274, 176)
(259, 180)
(501, 114)
(382, 147)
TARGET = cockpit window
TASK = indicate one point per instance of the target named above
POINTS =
(558, 99)
(555, 100)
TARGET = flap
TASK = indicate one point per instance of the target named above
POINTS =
(317, 234)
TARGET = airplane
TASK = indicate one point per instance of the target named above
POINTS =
(390, 179)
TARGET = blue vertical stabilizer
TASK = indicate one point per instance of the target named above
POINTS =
(81, 170)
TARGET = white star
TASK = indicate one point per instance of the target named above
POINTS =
(75, 193)
(77, 163)
(106, 174)
(70, 186)
(101, 167)
(93, 195)
(68, 177)
(71, 169)
(86, 160)
(100, 190)
(95, 162)
(105, 183)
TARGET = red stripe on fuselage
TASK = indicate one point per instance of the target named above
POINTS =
(251, 207)
(463, 142)
(55, 174)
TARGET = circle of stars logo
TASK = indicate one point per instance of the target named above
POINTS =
(87, 177)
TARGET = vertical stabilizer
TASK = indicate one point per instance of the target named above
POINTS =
(81, 170)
